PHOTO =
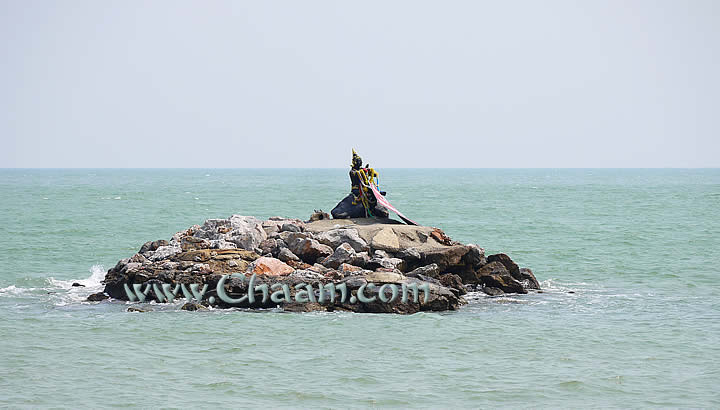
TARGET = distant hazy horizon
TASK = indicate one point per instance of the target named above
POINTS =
(409, 84)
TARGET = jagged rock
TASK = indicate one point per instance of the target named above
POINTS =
(453, 281)
(309, 250)
(360, 259)
(192, 306)
(268, 247)
(290, 228)
(475, 257)
(164, 252)
(386, 240)
(336, 237)
(75, 284)
(386, 263)
(244, 231)
(511, 266)
(342, 254)
(440, 237)
(270, 266)
(286, 255)
(495, 275)
(318, 215)
(446, 257)
(410, 255)
(527, 278)
(349, 268)
(153, 245)
(432, 270)
(97, 297)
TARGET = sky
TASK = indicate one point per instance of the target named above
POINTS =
(286, 84)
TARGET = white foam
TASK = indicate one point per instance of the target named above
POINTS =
(97, 274)
(13, 290)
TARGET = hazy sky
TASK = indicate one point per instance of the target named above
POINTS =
(408, 83)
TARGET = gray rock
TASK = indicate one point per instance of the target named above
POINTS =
(97, 297)
(343, 254)
(432, 270)
(360, 259)
(336, 237)
(475, 256)
(164, 252)
(286, 255)
(527, 278)
(380, 254)
(386, 263)
(288, 227)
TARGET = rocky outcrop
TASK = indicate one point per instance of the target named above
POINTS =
(381, 264)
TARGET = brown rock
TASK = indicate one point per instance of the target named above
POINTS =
(271, 267)
(97, 297)
(452, 281)
(495, 275)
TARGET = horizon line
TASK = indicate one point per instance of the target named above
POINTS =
(329, 168)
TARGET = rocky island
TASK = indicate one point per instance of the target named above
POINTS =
(228, 257)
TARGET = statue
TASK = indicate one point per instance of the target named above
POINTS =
(361, 202)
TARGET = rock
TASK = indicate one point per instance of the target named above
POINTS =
(511, 266)
(164, 252)
(97, 297)
(192, 306)
(286, 255)
(342, 254)
(410, 255)
(475, 257)
(527, 278)
(244, 231)
(495, 275)
(304, 275)
(492, 291)
(318, 215)
(385, 263)
(153, 245)
(294, 252)
(360, 259)
(75, 285)
(380, 254)
(268, 247)
(271, 267)
(337, 237)
(288, 227)
(445, 257)
(384, 277)
(310, 250)
(432, 270)
(452, 281)
(440, 236)
(386, 240)
(349, 268)
(138, 309)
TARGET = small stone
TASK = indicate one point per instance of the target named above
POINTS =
(97, 297)
(192, 306)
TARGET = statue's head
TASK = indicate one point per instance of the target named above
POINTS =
(356, 160)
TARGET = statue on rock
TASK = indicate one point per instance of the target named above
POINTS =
(361, 202)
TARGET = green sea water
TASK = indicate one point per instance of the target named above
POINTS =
(629, 317)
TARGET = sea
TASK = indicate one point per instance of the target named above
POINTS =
(629, 316)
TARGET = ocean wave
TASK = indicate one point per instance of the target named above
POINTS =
(56, 291)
